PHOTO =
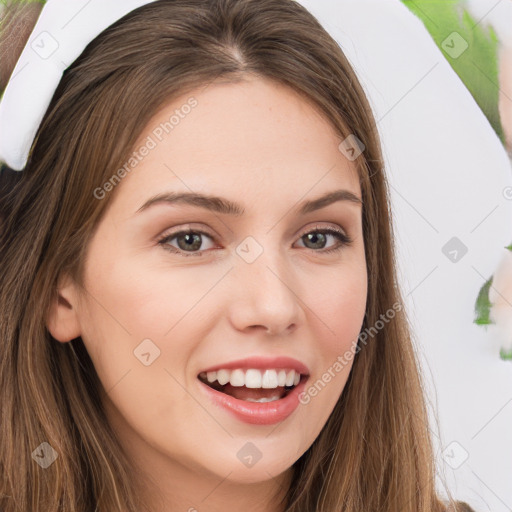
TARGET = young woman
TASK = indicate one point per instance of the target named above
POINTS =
(197, 279)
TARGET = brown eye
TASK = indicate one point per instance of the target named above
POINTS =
(317, 239)
(188, 241)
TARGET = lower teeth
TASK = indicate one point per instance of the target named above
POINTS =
(218, 387)
(262, 400)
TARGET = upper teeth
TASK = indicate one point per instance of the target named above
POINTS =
(253, 378)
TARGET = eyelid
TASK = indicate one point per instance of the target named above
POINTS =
(343, 240)
(319, 227)
(192, 227)
(185, 228)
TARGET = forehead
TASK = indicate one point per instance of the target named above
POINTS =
(255, 138)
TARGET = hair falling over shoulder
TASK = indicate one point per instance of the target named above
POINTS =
(375, 452)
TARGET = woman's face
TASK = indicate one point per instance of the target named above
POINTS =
(159, 309)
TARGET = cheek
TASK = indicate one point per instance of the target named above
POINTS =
(127, 305)
(340, 307)
(336, 317)
(144, 300)
(129, 302)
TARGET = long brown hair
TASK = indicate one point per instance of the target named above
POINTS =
(375, 452)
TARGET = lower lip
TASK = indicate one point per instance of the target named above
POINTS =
(266, 413)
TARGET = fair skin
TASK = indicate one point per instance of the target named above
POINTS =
(265, 147)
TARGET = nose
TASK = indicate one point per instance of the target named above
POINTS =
(265, 297)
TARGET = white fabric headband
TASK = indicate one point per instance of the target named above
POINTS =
(63, 30)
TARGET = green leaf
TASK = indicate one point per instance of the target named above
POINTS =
(483, 305)
(478, 65)
(10, 2)
(506, 356)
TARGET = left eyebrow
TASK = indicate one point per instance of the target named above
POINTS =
(228, 207)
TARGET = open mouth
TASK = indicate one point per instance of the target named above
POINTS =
(256, 394)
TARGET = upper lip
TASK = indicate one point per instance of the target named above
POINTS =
(262, 363)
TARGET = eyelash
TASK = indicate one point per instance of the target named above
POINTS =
(344, 240)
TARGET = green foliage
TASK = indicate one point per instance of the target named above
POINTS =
(483, 305)
(473, 54)
(11, 2)
(478, 65)
(506, 356)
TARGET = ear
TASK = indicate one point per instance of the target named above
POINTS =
(63, 320)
